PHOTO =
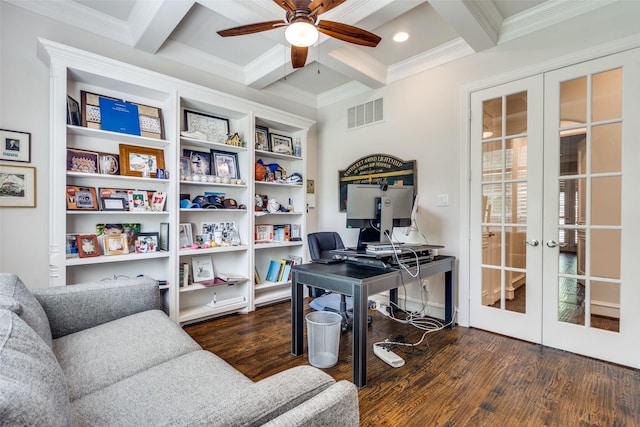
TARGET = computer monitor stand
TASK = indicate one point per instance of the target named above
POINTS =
(367, 235)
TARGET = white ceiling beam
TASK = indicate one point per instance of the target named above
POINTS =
(477, 22)
(151, 23)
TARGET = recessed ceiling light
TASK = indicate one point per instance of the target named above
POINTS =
(401, 37)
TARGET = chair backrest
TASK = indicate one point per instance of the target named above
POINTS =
(322, 242)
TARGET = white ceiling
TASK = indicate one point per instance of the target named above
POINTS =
(185, 31)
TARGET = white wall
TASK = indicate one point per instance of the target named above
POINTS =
(424, 122)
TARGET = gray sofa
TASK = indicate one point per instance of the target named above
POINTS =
(104, 354)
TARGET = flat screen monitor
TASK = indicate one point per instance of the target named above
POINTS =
(371, 206)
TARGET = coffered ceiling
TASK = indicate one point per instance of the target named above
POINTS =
(186, 31)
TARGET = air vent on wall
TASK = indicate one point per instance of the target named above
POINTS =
(365, 114)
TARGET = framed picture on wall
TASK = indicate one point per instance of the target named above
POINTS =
(15, 146)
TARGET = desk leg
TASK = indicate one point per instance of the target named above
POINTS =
(449, 298)
(360, 299)
(297, 309)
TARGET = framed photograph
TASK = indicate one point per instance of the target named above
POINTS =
(138, 200)
(15, 146)
(120, 193)
(109, 163)
(17, 186)
(185, 235)
(72, 245)
(128, 230)
(82, 161)
(81, 198)
(225, 164)
(73, 112)
(157, 201)
(199, 162)
(140, 161)
(281, 144)
(202, 268)
(185, 167)
(87, 245)
(146, 242)
(262, 138)
(204, 126)
(115, 244)
(163, 238)
(112, 204)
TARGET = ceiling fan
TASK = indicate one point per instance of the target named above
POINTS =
(303, 26)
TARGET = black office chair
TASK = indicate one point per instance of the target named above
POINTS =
(320, 246)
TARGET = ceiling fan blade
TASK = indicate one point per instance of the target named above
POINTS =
(299, 56)
(251, 28)
(287, 5)
(348, 33)
(319, 7)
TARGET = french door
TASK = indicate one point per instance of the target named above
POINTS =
(555, 211)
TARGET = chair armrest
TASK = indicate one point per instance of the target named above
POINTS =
(264, 400)
(74, 308)
(335, 406)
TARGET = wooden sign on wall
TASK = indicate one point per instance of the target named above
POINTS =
(376, 169)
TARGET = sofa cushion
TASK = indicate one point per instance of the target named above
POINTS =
(185, 384)
(31, 311)
(103, 355)
(33, 390)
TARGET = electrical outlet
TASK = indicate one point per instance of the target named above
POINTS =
(443, 200)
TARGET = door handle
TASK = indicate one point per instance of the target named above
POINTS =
(532, 242)
(553, 244)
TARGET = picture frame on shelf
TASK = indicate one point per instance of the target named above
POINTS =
(281, 144)
(87, 245)
(158, 200)
(112, 204)
(15, 146)
(121, 193)
(185, 235)
(81, 198)
(73, 112)
(138, 200)
(185, 167)
(205, 126)
(163, 237)
(18, 186)
(128, 230)
(202, 268)
(140, 161)
(109, 163)
(146, 242)
(225, 164)
(262, 138)
(199, 161)
(72, 245)
(115, 244)
(82, 161)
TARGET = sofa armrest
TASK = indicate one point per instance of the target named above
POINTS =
(264, 400)
(74, 308)
(335, 406)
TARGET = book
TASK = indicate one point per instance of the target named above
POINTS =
(119, 116)
(274, 271)
(184, 274)
(256, 276)
(286, 271)
(264, 233)
(278, 232)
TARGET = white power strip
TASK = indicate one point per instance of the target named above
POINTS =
(388, 356)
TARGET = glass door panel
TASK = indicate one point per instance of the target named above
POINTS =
(502, 142)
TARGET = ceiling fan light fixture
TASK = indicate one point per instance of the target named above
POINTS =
(401, 37)
(301, 34)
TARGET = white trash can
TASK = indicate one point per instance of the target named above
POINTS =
(323, 335)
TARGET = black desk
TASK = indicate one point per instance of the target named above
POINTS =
(359, 282)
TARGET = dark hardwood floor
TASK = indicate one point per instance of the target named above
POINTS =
(462, 377)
